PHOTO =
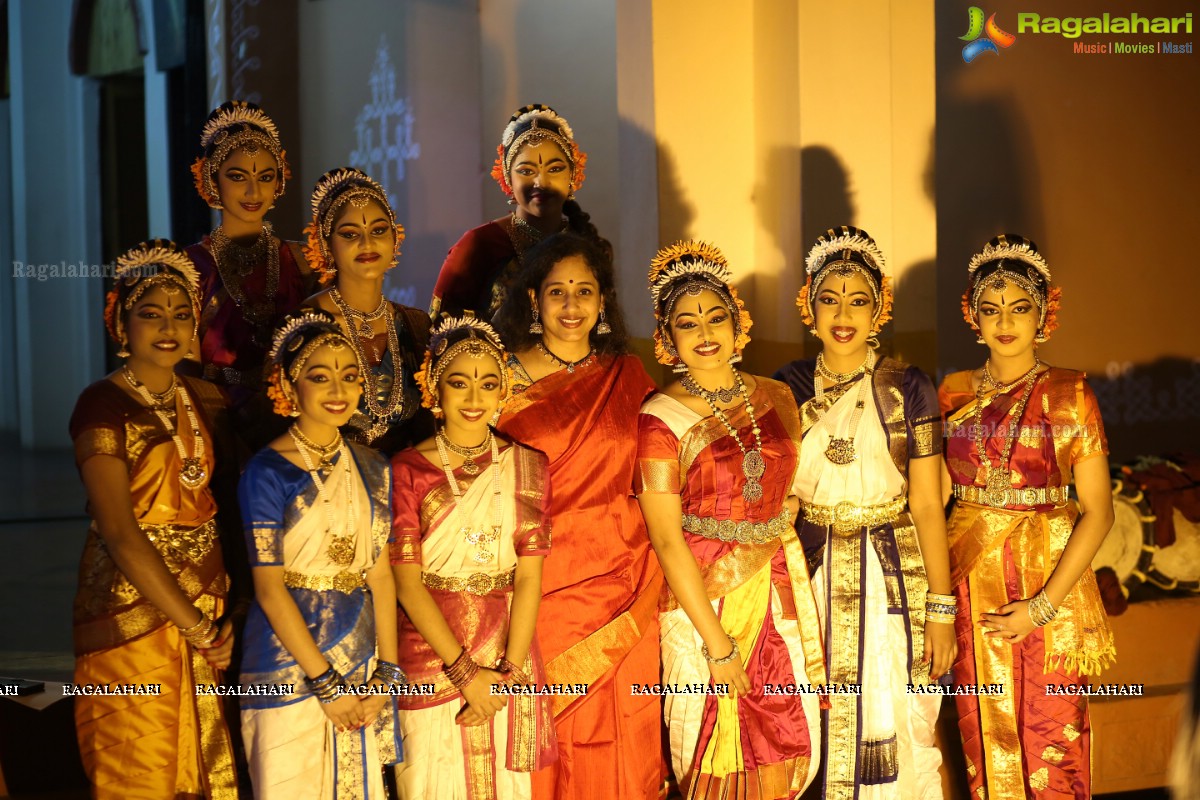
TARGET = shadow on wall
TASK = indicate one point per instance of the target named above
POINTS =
(986, 180)
(917, 337)
(675, 213)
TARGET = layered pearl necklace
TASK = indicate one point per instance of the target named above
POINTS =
(477, 538)
(341, 548)
(192, 473)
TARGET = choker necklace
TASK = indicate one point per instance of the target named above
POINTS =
(753, 465)
(192, 473)
(326, 452)
(341, 548)
(824, 371)
(721, 394)
(999, 387)
(353, 316)
(235, 264)
(469, 454)
(841, 451)
(569, 365)
(478, 538)
(998, 479)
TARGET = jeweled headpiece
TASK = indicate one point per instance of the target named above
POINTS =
(235, 125)
(1009, 257)
(159, 262)
(334, 190)
(536, 123)
(449, 338)
(688, 268)
(845, 251)
(298, 336)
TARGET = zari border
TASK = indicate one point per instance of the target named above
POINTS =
(479, 760)
(216, 749)
(589, 659)
(843, 597)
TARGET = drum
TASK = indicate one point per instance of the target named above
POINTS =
(1128, 550)
(1177, 567)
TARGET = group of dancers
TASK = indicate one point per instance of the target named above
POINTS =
(483, 550)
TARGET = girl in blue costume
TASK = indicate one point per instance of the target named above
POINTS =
(317, 517)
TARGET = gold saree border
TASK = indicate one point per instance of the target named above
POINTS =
(589, 659)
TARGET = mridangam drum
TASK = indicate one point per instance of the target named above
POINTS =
(1177, 567)
(1129, 547)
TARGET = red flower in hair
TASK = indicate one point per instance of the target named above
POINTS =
(498, 170)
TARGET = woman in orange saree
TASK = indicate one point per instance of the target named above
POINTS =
(576, 396)
(152, 582)
(1030, 616)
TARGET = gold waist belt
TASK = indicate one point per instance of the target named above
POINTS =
(728, 530)
(344, 582)
(480, 583)
(846, 516)
(1001, 498)
(184, 544)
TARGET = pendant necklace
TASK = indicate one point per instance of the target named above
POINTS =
(354, 317)
(380, 411)
(469, 454)
(721, 394)
(192, 473)
(753, 465)
(478, 538)
(998, 479)
(568, 365)
(841, 451)
(341, 548)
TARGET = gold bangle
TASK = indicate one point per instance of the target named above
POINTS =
(945, 599)
(193, 628)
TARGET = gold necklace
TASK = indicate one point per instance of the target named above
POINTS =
(841, 451)
(192, 473)
(341, 548)
(753, 465)
(380, 414)
(988, 379)
(478, 538)
(721, 394)
(469, 454)
(324, 452)
(998, 479)
(362, 318)
(260, 313)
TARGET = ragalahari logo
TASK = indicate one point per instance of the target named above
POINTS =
(994, 39)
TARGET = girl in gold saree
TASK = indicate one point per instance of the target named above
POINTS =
(469, 535)
(152, 583)
(1019, 433)
(316, 513)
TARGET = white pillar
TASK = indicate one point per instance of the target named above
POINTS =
(59, 343)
